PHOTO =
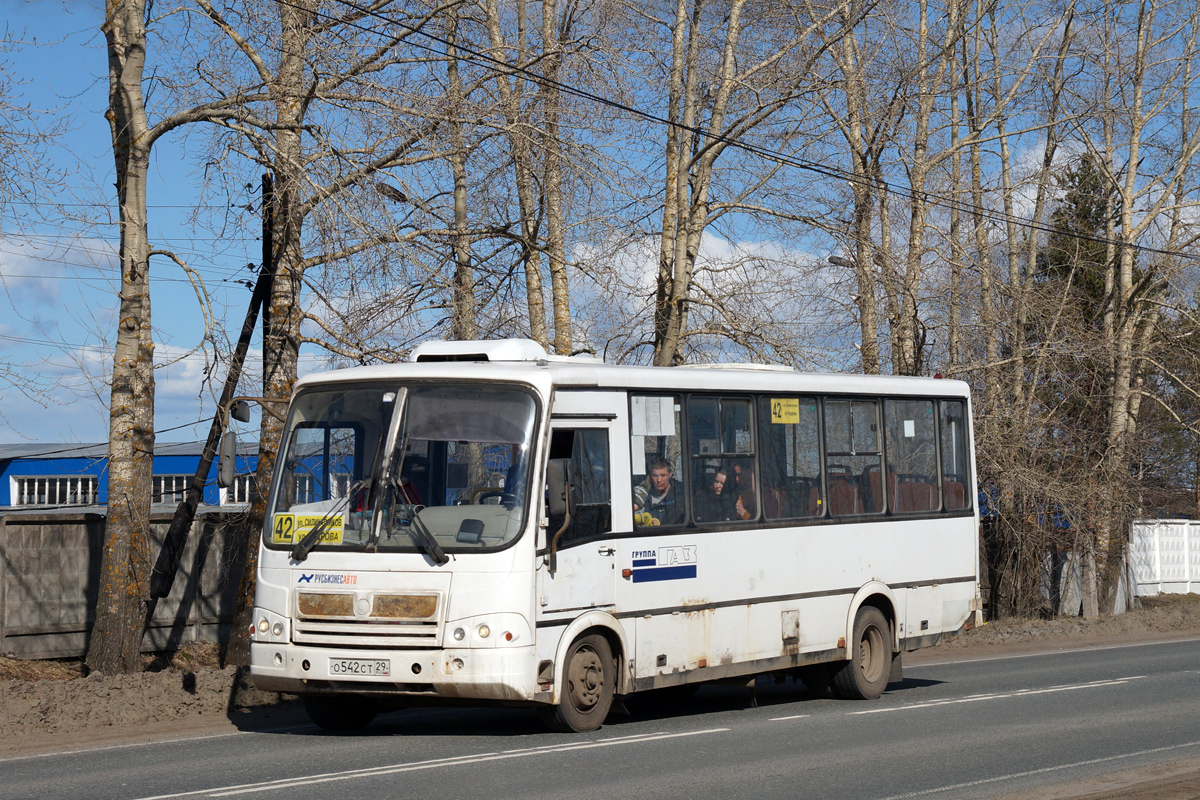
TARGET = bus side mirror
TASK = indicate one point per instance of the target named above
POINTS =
(558, 481)
(226, 466)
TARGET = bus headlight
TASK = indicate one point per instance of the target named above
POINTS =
(488, 631)
(268, 627)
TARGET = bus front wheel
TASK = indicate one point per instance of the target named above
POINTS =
(865, 675)
(587, 691)
(339, 712)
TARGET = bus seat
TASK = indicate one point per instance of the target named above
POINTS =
(915, 495)
(955, 496)
(873, 500)
(801, 500)
(843, 496)
(775, 503)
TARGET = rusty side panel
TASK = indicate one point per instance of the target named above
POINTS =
(325, 604)
(404, 606)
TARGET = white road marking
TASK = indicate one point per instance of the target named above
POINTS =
(454, 761)
(796, 716)
(1056, 652)
(1042, 771)
(155, 743)
(975, 698)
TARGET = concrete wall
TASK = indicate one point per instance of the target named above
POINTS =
(1165, 556)
(49, 573)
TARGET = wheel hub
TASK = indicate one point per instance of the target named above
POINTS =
(587, 680)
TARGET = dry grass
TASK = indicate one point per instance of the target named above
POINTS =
(12, 669)
(1170, 600)
(188, 658)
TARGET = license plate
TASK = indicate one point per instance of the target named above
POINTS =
(360, 666)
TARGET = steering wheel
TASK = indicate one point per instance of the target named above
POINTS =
(479, 495)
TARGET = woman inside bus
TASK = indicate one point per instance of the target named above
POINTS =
(746, 505)
(712, 502)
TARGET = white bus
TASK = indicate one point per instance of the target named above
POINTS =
(493, 524)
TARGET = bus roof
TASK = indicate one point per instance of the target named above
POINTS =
(525, 361)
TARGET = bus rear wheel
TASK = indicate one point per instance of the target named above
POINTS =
(587, 692)
(865, 675)
(339, 712)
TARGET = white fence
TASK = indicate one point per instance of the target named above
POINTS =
(1165, 556)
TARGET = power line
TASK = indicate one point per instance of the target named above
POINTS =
(110, 272)
(84, 447)
(824, 170)
(101, 204)
(80, 234)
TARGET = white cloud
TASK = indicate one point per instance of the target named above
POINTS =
(38, 271)
(756, 289)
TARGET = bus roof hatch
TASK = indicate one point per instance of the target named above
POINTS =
(493, 350)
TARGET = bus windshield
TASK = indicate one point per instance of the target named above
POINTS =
(438, 468)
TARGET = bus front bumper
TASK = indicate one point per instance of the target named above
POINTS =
(505, 674)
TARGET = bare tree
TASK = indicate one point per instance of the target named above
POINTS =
(731, 71)
(1146, 176)
(115, 643)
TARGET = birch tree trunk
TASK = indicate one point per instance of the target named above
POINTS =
(512, 95)
(909, 335)
(462, 322)
(281, 323)
(738, 89)
(124, 593)
(554, 35)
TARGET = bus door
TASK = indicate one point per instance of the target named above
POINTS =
(585, 560)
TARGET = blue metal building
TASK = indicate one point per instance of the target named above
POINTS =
(57, 475)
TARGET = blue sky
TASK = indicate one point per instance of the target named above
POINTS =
(57, 252)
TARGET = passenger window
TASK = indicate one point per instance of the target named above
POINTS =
(721, 450)
(852, 458)
(587, 448)
(911, 456)
(790, 456)
(657, 460)
(956, 467)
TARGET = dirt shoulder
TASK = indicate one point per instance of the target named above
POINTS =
(1165, 618)
(49, 707)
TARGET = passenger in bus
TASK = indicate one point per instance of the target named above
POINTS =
(658, 496)
(746, 506)
(713, 503)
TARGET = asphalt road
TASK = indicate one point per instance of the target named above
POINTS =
(961, 729)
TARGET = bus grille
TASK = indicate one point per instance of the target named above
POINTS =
(347, 633)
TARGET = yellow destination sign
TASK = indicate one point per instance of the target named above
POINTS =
(785, 410)
(291, 528)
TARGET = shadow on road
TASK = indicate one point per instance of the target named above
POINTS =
(673, 703)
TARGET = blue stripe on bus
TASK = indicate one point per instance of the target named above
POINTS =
(644, 562)
(664, 573)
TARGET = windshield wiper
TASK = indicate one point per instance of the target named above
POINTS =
(303, 547)
(427, 541)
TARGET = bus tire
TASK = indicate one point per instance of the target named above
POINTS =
(339, 712)
(865, 675)
(587, 691)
